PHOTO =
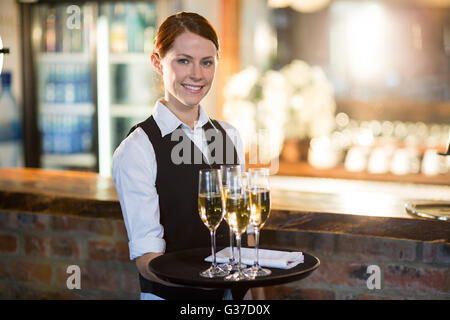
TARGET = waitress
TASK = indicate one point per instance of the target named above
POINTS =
(156, 167)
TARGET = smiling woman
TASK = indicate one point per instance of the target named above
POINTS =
(159, 194)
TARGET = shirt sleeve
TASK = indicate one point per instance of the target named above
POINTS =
(134, 174)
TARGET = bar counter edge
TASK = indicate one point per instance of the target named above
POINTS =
(88, 195)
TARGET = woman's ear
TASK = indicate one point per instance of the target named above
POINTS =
(156, 62)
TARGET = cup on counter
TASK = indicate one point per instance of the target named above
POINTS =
(432, 163)
(356, 159)
(404, 161)
(379, 160)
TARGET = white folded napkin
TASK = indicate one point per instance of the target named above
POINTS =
(267, 258)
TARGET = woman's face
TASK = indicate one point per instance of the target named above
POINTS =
(188, 70)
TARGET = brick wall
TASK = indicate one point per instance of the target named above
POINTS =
(409, 270)
(36, 250)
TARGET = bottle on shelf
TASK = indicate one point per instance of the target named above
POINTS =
(135, 28)
(76, 35)
(49, 85)
(118, 33)
(11, 154)
(50, 31)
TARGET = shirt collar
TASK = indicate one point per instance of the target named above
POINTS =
(168, 122)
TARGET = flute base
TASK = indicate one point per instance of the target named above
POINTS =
(214, 272)
(232, 266)
(257, 272)
(238, 276)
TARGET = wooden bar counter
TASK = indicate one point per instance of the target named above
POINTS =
(299, 204)
(50, 220)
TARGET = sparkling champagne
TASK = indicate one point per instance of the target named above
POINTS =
(225, 215)
(260, 207)
(238, 209)
(210, 210)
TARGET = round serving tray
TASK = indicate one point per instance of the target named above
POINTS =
(183, 268)
(436, 211)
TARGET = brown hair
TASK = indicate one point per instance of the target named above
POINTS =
(181, 22)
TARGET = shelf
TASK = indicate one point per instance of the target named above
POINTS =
(84, 160)
(130, 58)
(81, 109)
(306, 170)
(128, 111)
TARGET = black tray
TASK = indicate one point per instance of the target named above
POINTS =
(183, 268)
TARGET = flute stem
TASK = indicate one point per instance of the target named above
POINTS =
(256, 264)
(231, 246)
(213, 247)
(238, 243)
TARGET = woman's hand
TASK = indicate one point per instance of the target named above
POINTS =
(142, 265)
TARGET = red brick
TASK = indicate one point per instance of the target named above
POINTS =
(64, 247)
(4, 218)
(99, 278)
(33, 221)
(108, 251)
(25, 271)
(120, 230)
(417, 278)
(101, 227)
(96, 226)
(64, 223)
(8, 243)
(352, 274)
(436, 252)
(36, 245)
(380, 248)
(324, 243)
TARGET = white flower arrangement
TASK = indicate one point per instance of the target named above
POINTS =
(295, 102)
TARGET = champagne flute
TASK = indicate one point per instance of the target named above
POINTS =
(260, 210)
(238, 209)
(228, 171)
(210, 208)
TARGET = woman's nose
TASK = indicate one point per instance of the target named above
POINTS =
(196, 72)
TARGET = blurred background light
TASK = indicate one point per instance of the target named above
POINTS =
(366, 40)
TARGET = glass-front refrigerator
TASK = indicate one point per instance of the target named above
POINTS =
(64, 71)
(89, 79)
(127, 84)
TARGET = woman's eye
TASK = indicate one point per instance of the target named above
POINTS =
(207, 63)
(183, 61)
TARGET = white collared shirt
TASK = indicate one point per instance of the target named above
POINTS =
(134, 174)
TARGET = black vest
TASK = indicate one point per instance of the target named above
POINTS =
(177, 187)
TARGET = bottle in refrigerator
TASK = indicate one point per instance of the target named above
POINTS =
(76, 29)
(60, 84)
(11, 154)
(69, 89)
(49, 86)
(50, 31)
(135, 28)
(118, 33)
(70, 28)
(65, 37)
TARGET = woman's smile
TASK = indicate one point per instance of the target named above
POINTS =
(194, 89)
